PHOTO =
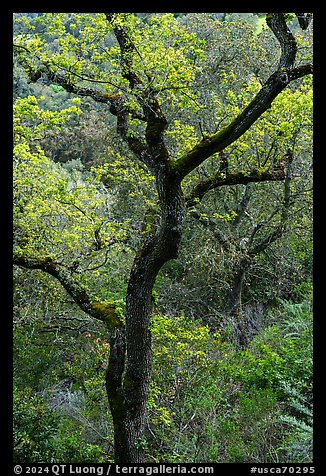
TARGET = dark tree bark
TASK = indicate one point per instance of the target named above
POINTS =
(234, 309)
(129, 369)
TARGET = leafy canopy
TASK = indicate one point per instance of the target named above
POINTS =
(56, 214)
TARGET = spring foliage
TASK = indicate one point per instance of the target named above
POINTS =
(208, 400)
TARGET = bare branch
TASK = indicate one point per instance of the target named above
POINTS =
(212, 225)
(280, 229)
(242, 206)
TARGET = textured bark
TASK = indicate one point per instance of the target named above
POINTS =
(234, 307)
(129, 372)
(236, 178)
(277, 24)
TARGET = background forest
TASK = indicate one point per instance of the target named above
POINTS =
(232, 316)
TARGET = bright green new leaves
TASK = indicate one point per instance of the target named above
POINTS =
(31, 121)
(183, 137)
(56, 214)
(83, 48)
(287, 125)
(71, 41)
(191, 67)
(167, 53)
(180, 346)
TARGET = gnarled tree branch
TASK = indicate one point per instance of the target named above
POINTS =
(229, 134)
(280, 229)
(277, 24)
(273, 86)
(304, 19)
(103, 312)
(236, 178)
(154, 117)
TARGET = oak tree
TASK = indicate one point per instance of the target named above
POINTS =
(140, 70)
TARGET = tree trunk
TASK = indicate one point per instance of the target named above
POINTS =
(234, 309)
(129, 372)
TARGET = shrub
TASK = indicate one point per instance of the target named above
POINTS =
(35, 426)
(41, 436)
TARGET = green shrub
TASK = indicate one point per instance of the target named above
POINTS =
(70, 448)
(297, 446)
(41, 436)
(35, 426)
(210, 402)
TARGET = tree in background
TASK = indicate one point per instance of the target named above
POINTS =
(254, 217)
(138, 69)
